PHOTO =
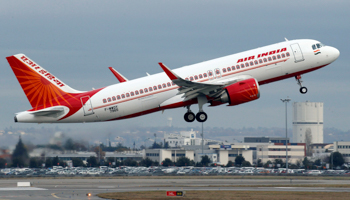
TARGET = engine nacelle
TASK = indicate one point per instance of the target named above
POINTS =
(241, 92)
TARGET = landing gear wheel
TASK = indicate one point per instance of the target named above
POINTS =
(303, 90)
(201, 117)
(189, 117)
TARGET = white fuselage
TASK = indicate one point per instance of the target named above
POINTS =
(106, 106)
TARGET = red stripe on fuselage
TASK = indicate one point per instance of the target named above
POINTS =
(181, 104)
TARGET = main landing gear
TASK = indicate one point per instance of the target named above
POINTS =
(201, 116)
(303, 90)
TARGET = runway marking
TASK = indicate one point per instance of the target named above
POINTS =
(21, 188)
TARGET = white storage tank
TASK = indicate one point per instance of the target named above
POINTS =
(308, 122)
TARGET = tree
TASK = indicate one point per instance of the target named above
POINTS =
(20, 155)
(167, 162)
(268, 164)
(156, 145)
(246, 164)
(69, 145)
(205, 160)
(77, 162)
(307, 164)
(146, 162)
(259, 163)
(308, 141)
(48, 162)
(92, 162)
(338, 159)
(317, 162)
(183, 161)
(239, 160)
(34, 163)
(229, 164)
(130, 162)
(278, 163)
(166, 145)
(2, 163)
(55, 161)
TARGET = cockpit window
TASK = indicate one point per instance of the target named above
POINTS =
(318, 45)
(314, 47)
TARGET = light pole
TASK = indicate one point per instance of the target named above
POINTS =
(286, 101)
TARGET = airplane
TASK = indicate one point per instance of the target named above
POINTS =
(231, 80)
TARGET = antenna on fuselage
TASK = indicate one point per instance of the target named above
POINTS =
(286, 39)
(148, 74)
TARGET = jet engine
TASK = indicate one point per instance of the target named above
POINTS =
(241, 92)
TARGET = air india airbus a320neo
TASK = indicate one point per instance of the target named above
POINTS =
(231, 80)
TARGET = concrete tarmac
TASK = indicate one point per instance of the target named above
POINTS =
(78, 188)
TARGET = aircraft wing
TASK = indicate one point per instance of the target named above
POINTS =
(192, 90)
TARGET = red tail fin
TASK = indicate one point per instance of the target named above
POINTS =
(40, 86)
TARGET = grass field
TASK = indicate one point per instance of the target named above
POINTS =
(223, 195)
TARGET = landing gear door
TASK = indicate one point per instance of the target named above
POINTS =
(298, 55)
(87, 106)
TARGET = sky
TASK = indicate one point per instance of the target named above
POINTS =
(78, 40)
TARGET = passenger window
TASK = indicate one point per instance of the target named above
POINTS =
(154, 87)
(118, 97)
(109, 99)
(283, 55)
(229, 69)
(200, 76)
(132, 93)
(104, 101)
(195, 77)
(172, 83)
(191, 78)
(217, 71)
(146, 90)
(237, 67)
(159, 87)
(164, 85)
(141, 91)
(186, 79)
(256, 62)
(265, 60)
(251, 63)
(274, 57)
(260, 61)
(113, 98)
(242, 65)
(269, 58)
(168, 84)
(137, 92)
(150, 89)
(287, 54)
(205, 75)
(127, 95)
(278, 56)
(123, 96)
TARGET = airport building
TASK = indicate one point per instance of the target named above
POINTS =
(219, 154)
(185, 138)
(272, 151)
(308, 122)
(343, 148)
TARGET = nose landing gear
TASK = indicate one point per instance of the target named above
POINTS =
(303, 90)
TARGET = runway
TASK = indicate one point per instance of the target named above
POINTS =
(78, 188)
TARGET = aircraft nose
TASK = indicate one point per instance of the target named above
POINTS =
(334, 53)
